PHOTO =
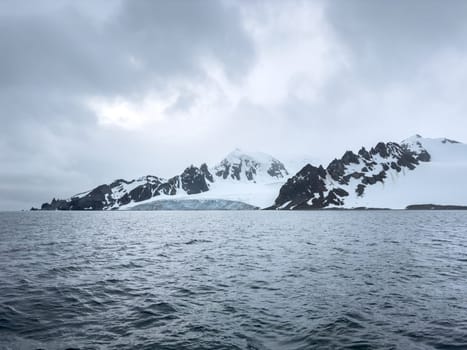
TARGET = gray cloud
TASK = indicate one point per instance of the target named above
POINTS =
(391, 39)
(54, 54)
(193, 79)
(68, 51)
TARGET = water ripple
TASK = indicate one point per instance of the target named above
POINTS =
(233, 280)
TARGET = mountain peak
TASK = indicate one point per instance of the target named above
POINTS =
(236, 153)
(413, 138)
(239, 154)
(419, 139)
(250, 166)
(445, 140)
(236, 150)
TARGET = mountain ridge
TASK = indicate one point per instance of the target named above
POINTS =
(387, 175)
(368, 178)
(236, 167)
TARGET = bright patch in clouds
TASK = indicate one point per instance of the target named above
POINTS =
(297, 52)
(294, 59)
(127, 114)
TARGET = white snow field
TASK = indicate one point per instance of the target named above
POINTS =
(440, 181)
(258, 191)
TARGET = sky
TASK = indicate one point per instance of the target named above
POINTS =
(95, 90)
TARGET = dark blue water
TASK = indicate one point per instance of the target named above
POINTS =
(233, 280)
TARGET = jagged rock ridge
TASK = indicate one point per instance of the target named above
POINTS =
(236, 167)
(239, 165)
(388, 175)
(317, 187)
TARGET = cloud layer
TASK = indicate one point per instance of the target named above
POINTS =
(92, 91)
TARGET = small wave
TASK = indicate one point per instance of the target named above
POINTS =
(161, 307)
(130, 265)
(155, 314)
(184, 292)
(59, 270)
(197, 241)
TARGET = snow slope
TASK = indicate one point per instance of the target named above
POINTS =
(246, 177)
(442, 180)
(390, 175)
(250, 178)
(256, 194)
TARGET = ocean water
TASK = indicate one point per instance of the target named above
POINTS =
(233, 280)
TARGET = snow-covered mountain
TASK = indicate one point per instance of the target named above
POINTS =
(390, 175)
(250, 167)
(250, 178)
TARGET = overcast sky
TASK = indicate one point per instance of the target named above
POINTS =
(91, 91)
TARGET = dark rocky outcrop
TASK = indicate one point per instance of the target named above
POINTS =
(223, 170)
(316, 187)
(381, 149)
(449, 141)
(141, 193)
(360, 189)
(193, 180)
(336, 169)
(120, 192)
(235, 167)
(205, 171)
(423, 156)
(307, 190)
(277, 169)
(435, 207)
(94, 200)
(349, 157)
(363, 153)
